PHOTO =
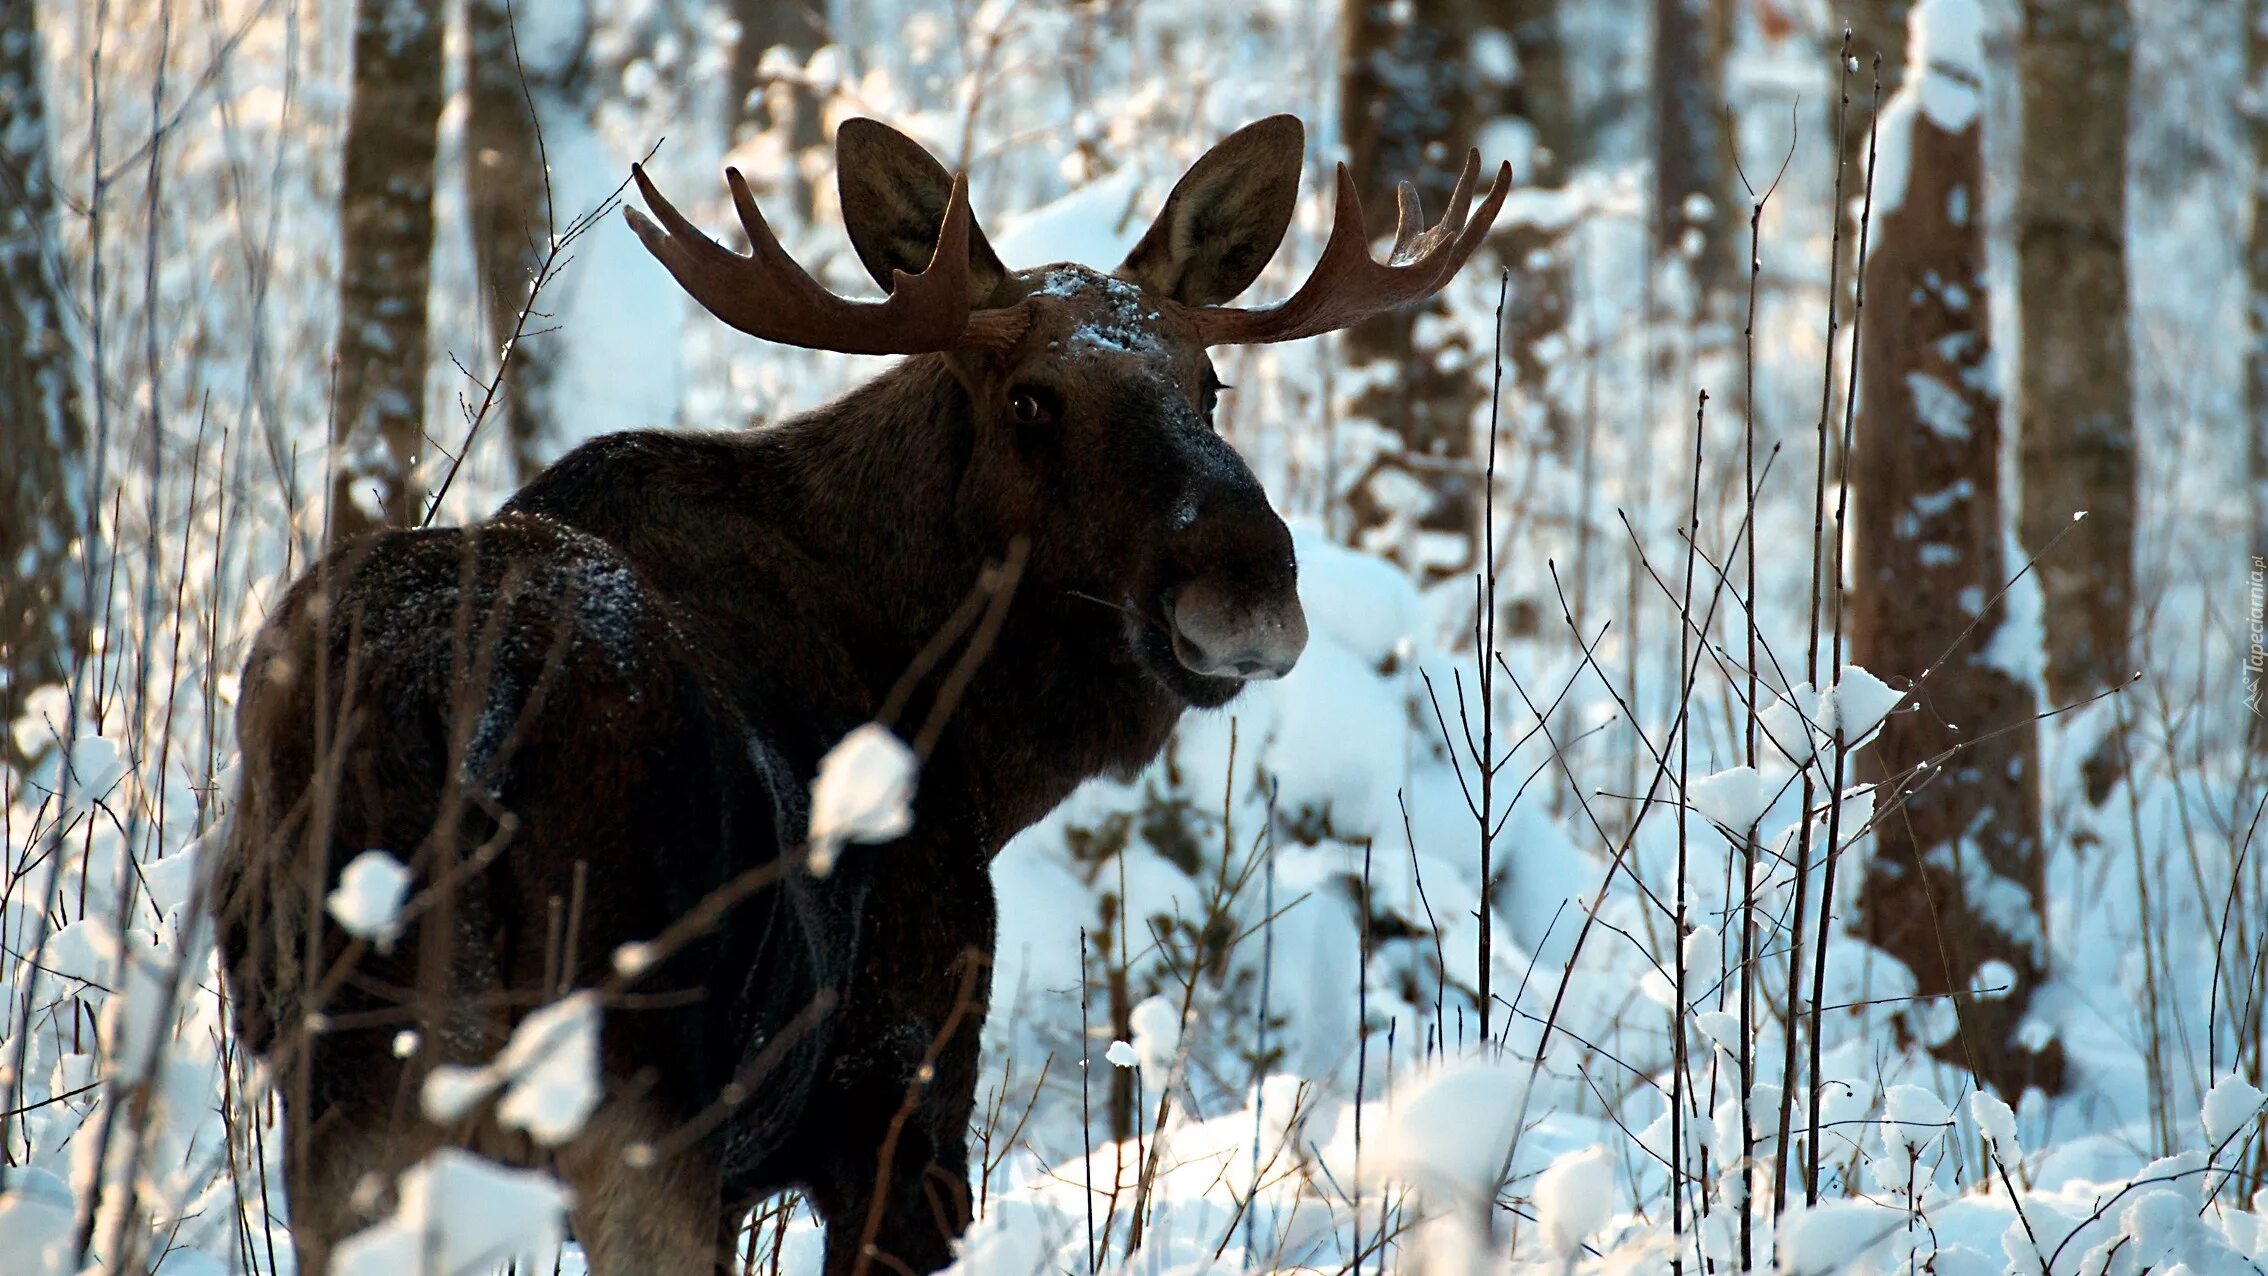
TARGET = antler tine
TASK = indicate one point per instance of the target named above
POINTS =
(766, 294)
(1452, 222)
(1348, 285)
(1409, 220)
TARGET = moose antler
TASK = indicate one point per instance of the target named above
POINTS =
(1347, 286)
(765, 294)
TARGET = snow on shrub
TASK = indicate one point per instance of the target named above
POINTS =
(548, 1071)
(367, 902)
(863, 793)
(459, 1215)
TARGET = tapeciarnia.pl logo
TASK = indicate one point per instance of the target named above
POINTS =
(2256, 655)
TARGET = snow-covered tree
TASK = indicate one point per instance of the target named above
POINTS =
(1421, 78)
(41, 436)
(1954, 889)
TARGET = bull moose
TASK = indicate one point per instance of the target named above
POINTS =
(591, 721)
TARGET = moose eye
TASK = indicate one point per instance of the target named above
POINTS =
(1030, 405)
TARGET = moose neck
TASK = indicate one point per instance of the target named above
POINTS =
(867, 490)
(814, 560)
(866, 487)
(1056, 698)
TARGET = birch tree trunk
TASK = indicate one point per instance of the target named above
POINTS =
(42, 612)
(2077, 407)
(1954, 888)
(386, 224)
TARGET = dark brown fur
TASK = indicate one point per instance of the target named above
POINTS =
(598, 713)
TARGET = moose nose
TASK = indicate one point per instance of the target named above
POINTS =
(1222, 636)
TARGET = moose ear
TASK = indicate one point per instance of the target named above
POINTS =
(893, 195)
(1225, 217)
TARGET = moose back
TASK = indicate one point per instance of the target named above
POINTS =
(588, 724)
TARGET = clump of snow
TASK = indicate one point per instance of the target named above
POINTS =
(42, 721)
(1994, 980)
(86, 951)
(1833, 1236)
(1912, 1118)
(1450, 1125)
(549, 1072)
(1122, 1054)
(1574, 1198)
(1722, 1028)
(1734, 799)
(2229, 1106)
(1804, 721)
(1996, 1121)
(1362, 601)
(453, 1090)
(1122, 321)
(367, 902)
(1156, 1024)
(172, 880)
(863, 793)
(460, 1215)
(1857, 704)
(553, 1065)
(1788, 721)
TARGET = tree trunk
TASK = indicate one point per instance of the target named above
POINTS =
(1421, 78)
(800, 28)
(386, 224)
(1692, 156)
(1878, 46)
(1878, 30)
(511, 223)
(42, 614)
(1537, 310)
(1956, 879)
(2077, 405)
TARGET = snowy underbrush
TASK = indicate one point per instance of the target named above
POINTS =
(1237, 1020)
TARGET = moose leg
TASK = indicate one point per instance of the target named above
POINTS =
(906, 1218)
(340, 1164)
(643, 1207)
(895, 1194)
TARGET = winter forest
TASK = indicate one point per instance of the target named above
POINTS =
(1776, 775)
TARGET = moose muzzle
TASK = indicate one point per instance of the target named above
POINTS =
(1221, 635)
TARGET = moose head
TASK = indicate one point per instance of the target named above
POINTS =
(1091, 394)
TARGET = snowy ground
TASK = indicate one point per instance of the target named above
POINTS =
(1321, 1095)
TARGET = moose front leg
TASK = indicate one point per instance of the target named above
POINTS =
(894, 1190)
(906, 1219)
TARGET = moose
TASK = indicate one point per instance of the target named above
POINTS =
(589, 725)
